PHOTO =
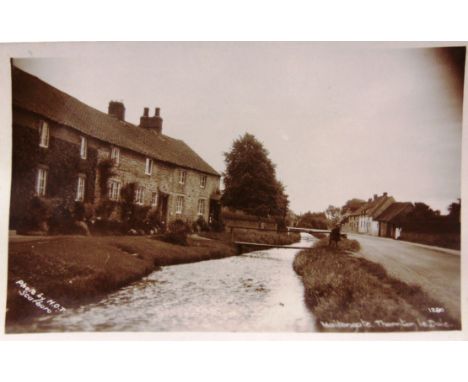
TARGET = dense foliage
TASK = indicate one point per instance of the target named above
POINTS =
(62, 159)
(250, 180)
(352, 205)
(317, 220)
(423, 219)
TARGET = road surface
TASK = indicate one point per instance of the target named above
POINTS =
(435, 270)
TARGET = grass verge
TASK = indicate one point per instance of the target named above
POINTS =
(74, 270)
(349, 293)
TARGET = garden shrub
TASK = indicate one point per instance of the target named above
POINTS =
(174, 238)
(107, 227)
(105, 209)
(154, 220)
(89, 211)
(79, 211)
(179, 226)
(177, 233)
(38, 213)
(200, 225)
(62, 219)
(217, 225)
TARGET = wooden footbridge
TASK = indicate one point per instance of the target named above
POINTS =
(307, 230)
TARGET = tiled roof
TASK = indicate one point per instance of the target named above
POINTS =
(394, 211)
(374, 207)
(32, 94)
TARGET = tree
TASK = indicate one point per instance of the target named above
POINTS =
(250, 180)
(422, 219)
(333, 214)
(282, 201)
(317, 220)
(453, 218)
(352, 205)
(454, 211)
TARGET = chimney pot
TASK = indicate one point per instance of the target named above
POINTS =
(117, 109)
(153, 124)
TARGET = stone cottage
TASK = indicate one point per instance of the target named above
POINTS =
(59, 143)
(390, 220)
(364, 219)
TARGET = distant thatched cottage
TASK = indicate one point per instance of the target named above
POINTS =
(380, 216)
(59, 144)
(364, 219)
(390, 220)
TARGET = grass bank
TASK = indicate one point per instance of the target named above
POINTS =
(273, 238)
(349, 293)
(445, 240)
(73, 270)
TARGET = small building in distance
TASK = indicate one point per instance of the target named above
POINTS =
(390, 219)
(59, 144)
(364, 219)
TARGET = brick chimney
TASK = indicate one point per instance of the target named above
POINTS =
(117, 109)
(151, 123)
(385, 194)
(375, 196)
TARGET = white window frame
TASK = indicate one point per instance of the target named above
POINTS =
(203, 180)
(41, 181)
(44, 134)
(115, 155)
(149, 166)
(114, 190)
(140, 195)
(83, 147)
(182, 176)
(154, 199)
(201, 207)
(80, 188)
(179, 208)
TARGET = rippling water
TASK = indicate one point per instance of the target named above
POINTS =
(257, 291)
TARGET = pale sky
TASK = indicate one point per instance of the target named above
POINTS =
(340, 121)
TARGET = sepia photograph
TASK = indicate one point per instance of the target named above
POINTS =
(271, 187)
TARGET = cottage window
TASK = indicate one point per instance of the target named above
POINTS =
(115, 155)
(202, 181)
(41, 182)
(80, 188)
(114, 190)
(179, 204)
(201, 207)
(83, 148)
(154, 199)
(44, 134)
(182, 176)
(139, 195)
(149, 166)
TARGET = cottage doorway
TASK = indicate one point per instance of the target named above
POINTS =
(215, 211)
(162, 209)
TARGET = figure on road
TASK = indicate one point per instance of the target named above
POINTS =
(335, 236)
